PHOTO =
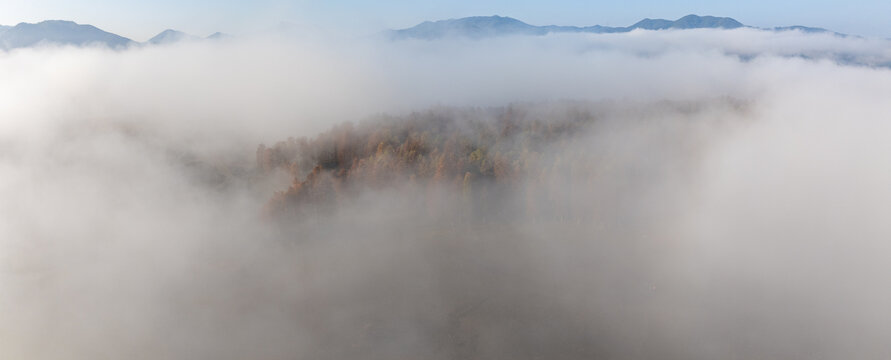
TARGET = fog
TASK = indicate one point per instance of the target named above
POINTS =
(739, 209)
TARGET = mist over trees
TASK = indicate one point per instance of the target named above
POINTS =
(522, 162)
(696, 194)
(462, 211)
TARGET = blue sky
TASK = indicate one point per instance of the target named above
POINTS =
(142, 19)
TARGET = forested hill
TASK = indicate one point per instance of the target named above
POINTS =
(529, 160)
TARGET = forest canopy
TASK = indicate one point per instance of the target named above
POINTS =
(533, 157)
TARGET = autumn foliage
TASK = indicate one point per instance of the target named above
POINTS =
(477, 155)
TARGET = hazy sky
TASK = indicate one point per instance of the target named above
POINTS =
(142, 19)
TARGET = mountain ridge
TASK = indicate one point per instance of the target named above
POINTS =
(65, 32)
(478, 27)
(59, 32)
(170, 36)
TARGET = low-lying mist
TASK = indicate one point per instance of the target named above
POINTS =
(682, 194)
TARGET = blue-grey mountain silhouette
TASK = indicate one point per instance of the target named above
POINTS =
(219, 36)
(490, 26)
(170, 36)
(59, 32)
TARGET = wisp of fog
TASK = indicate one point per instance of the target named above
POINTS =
(724, 194)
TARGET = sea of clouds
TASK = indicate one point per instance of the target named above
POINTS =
(751, 231)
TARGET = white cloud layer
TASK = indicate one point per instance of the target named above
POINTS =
(756, 233)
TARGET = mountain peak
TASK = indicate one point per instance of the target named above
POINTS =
(170, 36)
(652, 24)
(218, 36)
(473, 27)
(45, 23)
(61, 32)
(695, 22)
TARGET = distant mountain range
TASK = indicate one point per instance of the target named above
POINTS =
(62, 32)
(477, 27)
